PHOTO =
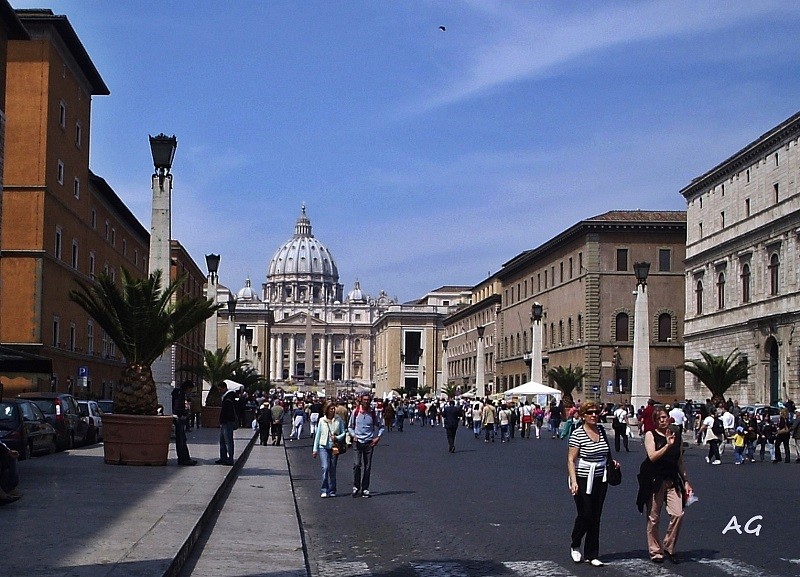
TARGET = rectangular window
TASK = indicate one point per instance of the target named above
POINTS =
(746, 207)
(700, 229)
(57, 248)
(56, 330)
(75, 254)
(76, 188)
(62, 114)
(94, 219)
(60, 172)
(722, 218)
(622, 259)
(561, 272)
(90, 338)
(72, 337)
(570, 267)
(108, 229)
(124, 247)
(92, 261)
(664, 260)
(665, 380)
(136, 257)
(580, 262)
(113, 237)
(775, 188)
(78, 134)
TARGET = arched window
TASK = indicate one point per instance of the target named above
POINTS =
(569, 329)
(721, 290)
(560, 332)
(622, 327)
(664, 327)
(774, 269)
(746, 283)
(580, 328)
(698, 291)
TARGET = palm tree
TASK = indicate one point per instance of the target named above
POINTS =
(566, 380)
(718, 374)
(249, 377)
(423, 391)
(142, 321)
(215, 369)
(450, 390)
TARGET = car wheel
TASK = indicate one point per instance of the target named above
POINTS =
(52, 447)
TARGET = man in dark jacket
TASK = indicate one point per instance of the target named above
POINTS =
(452, 417)
(181, 418)
(227, 423)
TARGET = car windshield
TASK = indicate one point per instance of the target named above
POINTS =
(8, 416)
(48, 406)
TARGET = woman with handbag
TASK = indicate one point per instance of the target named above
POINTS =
(328, 442)
(587, 459)
(663, 480)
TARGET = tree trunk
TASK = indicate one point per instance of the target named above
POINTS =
(137, 392)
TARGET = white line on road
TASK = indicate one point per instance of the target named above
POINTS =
(735, 568)
(538, 569)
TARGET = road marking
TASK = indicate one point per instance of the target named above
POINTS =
(343, 569)
(641, 568)
(538, 569)
(735, 568)
(444, 569)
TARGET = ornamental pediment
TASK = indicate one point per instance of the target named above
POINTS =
(299, 320)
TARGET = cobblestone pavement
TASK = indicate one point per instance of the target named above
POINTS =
(504, 509)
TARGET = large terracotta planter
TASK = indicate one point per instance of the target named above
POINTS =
(210, 417)
(136, 439)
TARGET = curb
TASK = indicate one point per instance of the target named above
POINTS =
(194, 535)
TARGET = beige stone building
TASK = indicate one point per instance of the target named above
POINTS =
(742, 278)
(408, 341)
(469, 334)
(584, 279)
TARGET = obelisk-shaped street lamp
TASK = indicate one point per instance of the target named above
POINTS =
(640, 389)
(537, 310)
(162, 148)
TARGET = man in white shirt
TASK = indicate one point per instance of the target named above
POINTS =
(620, 426)
(678, 418)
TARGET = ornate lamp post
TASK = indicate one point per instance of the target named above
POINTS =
(270, 321)
(640, 391)
(162, 148)
(536, 342)
(232, 332)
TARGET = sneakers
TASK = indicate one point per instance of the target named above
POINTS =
(365, 494)
(355, 492)
(323, 495)
(708, 460)
(332, 494)
(596, 563)
(576, 555)
(716, 462)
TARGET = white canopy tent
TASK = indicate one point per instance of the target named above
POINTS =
(533, 388)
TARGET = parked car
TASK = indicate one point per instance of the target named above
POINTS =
(759, 409)
(92, 414)
(61, 411)
(106, 405)
(24, 428)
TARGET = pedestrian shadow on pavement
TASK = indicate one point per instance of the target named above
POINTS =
(687, 556)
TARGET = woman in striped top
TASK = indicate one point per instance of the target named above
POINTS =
(586, 463)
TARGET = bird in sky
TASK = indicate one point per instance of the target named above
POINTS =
(442, 28)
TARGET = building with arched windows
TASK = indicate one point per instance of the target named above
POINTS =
(742, 281)
(584, 280)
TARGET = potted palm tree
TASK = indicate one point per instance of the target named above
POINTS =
(718, 374)
(142, 320)
(567, 379)
(214, 370)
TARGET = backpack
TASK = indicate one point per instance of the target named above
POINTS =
(717, 427)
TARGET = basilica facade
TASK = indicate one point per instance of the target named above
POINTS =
(301, 327)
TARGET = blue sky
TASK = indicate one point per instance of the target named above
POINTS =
(424, 157)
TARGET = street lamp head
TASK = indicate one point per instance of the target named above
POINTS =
(163, 149)
(536, 311)
(231, 305)
(641, 270)
(212, 262)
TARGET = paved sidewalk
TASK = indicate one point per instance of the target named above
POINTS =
(81, 517)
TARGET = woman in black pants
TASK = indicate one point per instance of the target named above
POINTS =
(586, 463)
(782, 437)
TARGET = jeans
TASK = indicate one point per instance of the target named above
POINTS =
(738, 455)
(504, 434)
(476, 427)
(328, 461)
(362, 466)
(750, 450)
(226, 442)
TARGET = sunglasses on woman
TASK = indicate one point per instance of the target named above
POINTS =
(592, 412)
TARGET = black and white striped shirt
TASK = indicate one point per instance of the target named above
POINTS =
(589, 451)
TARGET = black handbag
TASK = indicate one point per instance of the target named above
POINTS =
(613, 474)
